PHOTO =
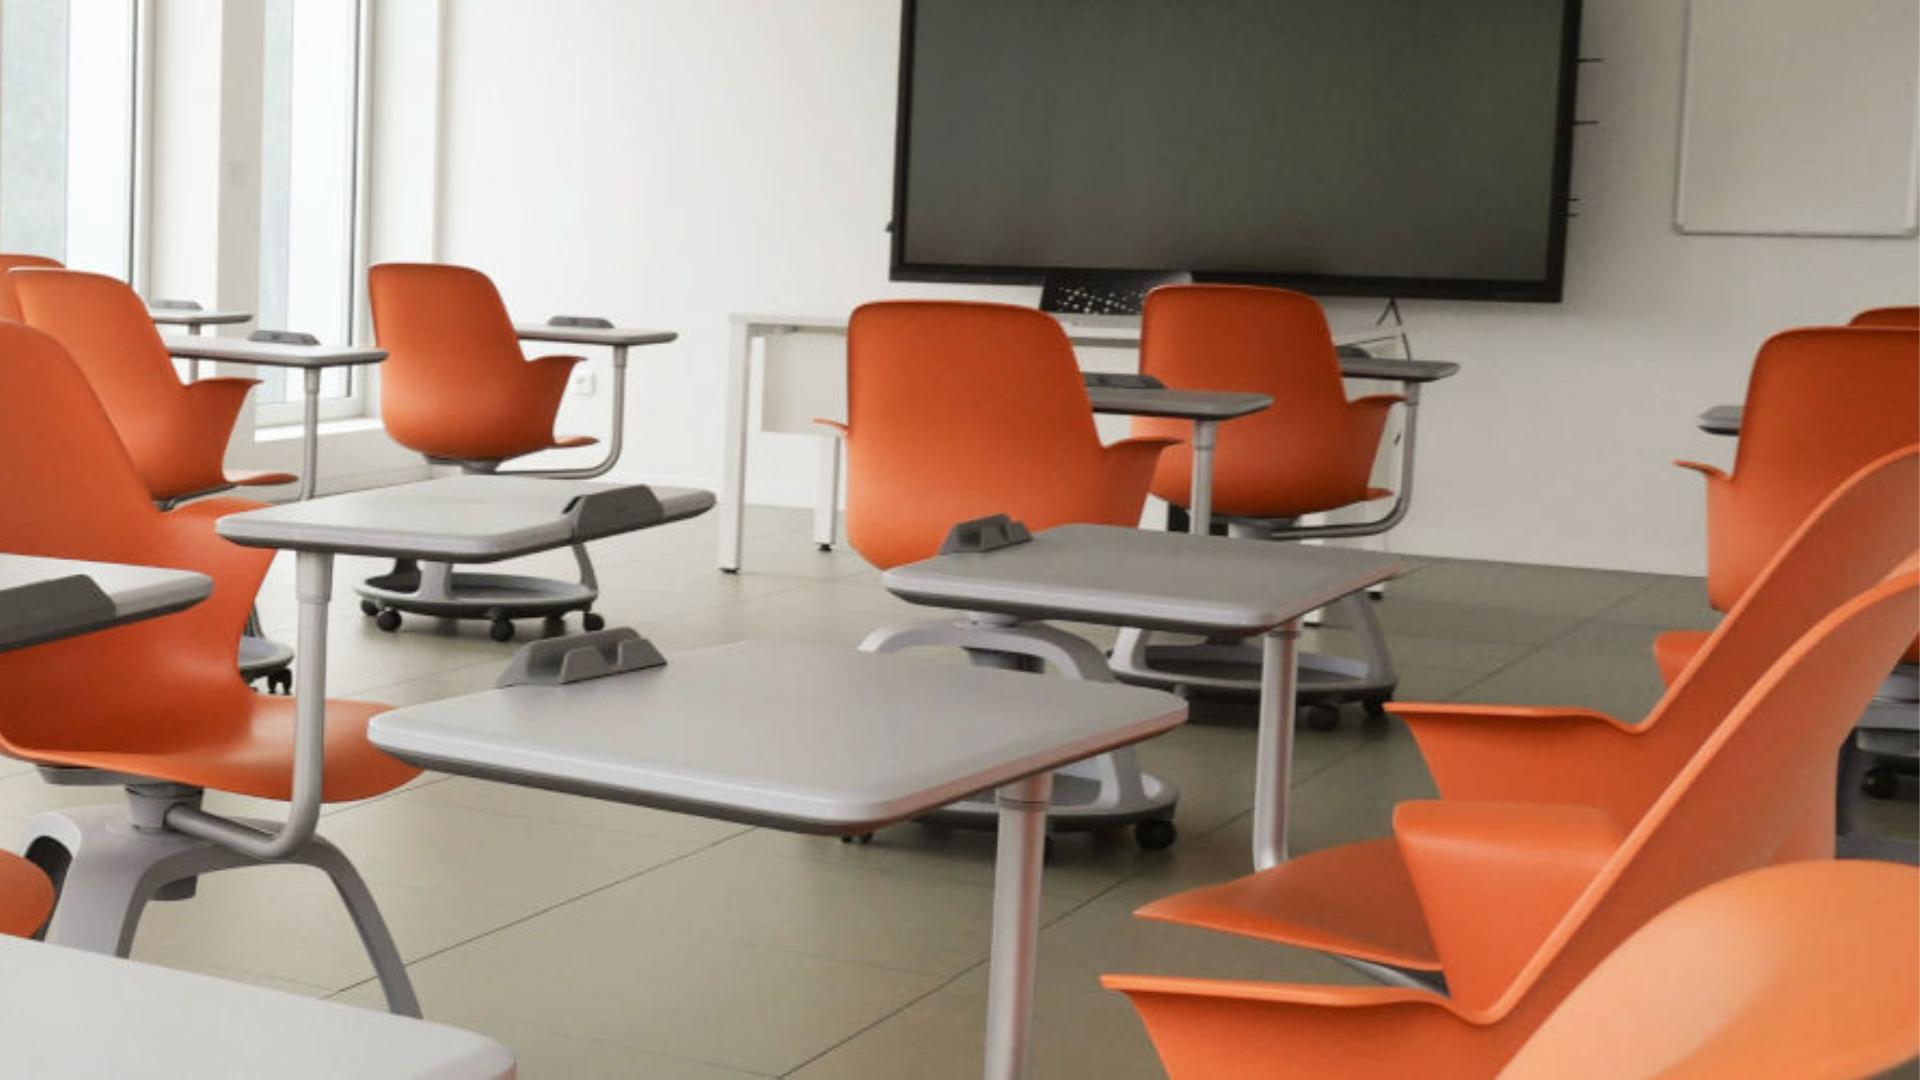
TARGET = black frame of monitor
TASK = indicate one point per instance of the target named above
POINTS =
(1548, 289)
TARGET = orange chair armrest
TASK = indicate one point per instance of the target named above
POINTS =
(1144, 443)
(1495, 879)
(1310, 994)
(189, 542)
(217, 401)
(839, 428)
(1373, 402)
(1712, 472)
(1523, 753)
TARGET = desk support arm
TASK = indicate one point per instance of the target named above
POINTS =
(606, 463)
(1402, 502)
(314, 574)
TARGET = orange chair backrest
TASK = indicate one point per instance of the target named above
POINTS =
(70, 491)
(1256, 340)
(1729, 811)
(9, 302)
(1891, 318)
(451, 385)
(1808, 969)
(104, 326)
(1820, 404)
(960, 410)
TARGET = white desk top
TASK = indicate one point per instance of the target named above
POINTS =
(44, 599)
(270, 354)
(796, 735)
(1153, 580)
(464, 518)
(593, 335)
(71, 1014)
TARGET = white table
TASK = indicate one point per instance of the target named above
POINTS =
(823, 394)
(44, 599)
(310, 359)
(72, 1015)
(576, 331)
(809, 738)
(1168, 581)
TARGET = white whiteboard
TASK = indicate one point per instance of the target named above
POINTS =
(1800, 118)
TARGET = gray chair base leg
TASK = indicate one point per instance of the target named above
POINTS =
(1102, 792)
(108, 870)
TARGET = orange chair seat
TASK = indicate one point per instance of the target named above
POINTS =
(258, 477)
(251, 757)
(26, 896)
(1355, 900)
(569, 441)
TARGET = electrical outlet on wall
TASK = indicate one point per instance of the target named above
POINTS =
(582, 383)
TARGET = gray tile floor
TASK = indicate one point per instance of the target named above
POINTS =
(603, 940)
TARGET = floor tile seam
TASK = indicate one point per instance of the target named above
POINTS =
(1459, 696)
(902, 1008)
(917, 874)
(1601, 616)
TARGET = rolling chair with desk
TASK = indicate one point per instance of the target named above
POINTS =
(457, 389)
(167, 720)
(1313, 452)
(1359, 901)
(1802, 431)
(1525, 899)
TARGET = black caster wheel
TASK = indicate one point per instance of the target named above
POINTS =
(1046, 850)
(1880, 783)
(501, 630)
(1321, 717)
(1376, 708)
(1155, 834)
(388, 620)
(858, 838)
(368, 607)
(593, 620)
(824, 547)
(280, 682)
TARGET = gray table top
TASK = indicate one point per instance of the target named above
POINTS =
(593, 335)
(65, 1013)
(796, 735)
(459, 518)
(1153, 580)
(167, 316)
(1183, 404)
(45, 599)
(1390, 370)
(270, 354)
(1721, 420)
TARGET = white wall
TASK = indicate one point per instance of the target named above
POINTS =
(666, 162)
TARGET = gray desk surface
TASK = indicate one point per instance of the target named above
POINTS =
(71, 1014)
(1721, 420)
(455, 519)
(1388, 370)
(593, 335)
(196, 316)
(1184, 404)
(41, 600)
(797, 735)
(270, 354)
(1153, 580)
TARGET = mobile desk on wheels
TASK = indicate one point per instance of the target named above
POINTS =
(806, 738)
(1128, 577)
(68, 1013)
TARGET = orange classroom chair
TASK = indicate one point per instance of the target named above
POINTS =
(1311, 452)
(457, 389)
(1526, 899)
(1891, 318)
(960, 410)
(1358, 900)
(1809, 970)
(9, 300)
(170, 721)
(176, 433)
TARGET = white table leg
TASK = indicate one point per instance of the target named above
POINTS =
(1016, 926)
(1273, 753)
(826, 506)
(1200, 514)
(310, 436)
(733, 476)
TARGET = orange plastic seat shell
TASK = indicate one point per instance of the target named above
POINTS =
(960, 410)
(1356, 899)
(158, 698)
(9, 300)
(456, 384)
(1806, 970)
(1706, 827)
(1893, 318)
(175, 433)
(1312, 451)
(26, 896)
